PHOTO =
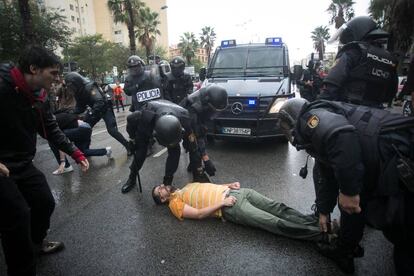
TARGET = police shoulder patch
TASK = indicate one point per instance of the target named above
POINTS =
(93, 92)
(313, 121)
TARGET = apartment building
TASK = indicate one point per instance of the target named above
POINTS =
(200, 53)
(88, 17)
(80, 14)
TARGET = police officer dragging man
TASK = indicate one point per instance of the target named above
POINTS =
(364, 161)
(202, 105)
(169, 124)
(179, 83)
(364, 72)
(88, 93)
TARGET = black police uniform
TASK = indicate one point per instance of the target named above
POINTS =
(306, 91)
(363, 74)
(178, 87)
(140, 127)
(88, 93)
(353, 148)
(141, 88)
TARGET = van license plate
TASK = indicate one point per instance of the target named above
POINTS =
(236, 130)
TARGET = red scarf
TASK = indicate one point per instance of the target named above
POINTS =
(21, 85)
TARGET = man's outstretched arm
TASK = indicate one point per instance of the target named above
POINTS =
(233, 185)
(193, 213)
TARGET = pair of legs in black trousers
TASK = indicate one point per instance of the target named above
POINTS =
(26, 205)
(112, 127)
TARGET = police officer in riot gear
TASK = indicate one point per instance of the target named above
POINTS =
(364, 73)
(364, 158)
(168, 123)
(201, 105)
(139, 84)
(179, 83)
(88, 93)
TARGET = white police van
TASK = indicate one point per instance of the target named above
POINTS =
(257, 79)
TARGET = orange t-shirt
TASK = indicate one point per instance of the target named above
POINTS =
(196, 195)
(118, 91)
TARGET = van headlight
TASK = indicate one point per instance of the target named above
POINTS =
(277, 104)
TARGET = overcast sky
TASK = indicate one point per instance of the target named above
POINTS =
(253, 21)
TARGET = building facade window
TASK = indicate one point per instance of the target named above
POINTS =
(73, 18)
(77, 20)
(82, 9)
(118, 32)
(71, 7)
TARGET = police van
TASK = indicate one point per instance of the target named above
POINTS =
(257, 79)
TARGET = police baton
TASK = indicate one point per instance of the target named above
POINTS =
(139, 183)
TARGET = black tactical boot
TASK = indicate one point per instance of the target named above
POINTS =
(167, 181)
(200, 176)
(341, 255)
(131, 182)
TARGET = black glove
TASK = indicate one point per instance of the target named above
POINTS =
(200, 176)
(209, 167)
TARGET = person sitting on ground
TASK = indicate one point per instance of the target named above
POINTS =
(78, 132)
(238, 205)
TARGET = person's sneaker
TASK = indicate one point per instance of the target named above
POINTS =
(343, 257)
(65, 170)
(108, 152)
(50, 247)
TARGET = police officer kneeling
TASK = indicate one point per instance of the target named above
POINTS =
(167, 122)
(364, 72)
(364, 158)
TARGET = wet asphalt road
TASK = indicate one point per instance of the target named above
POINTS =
(108, 233)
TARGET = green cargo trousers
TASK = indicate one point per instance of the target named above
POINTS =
(256, 210)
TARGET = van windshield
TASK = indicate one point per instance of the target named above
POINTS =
(252, 61)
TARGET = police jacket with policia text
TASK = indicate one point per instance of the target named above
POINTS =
(178, 87)
(90, 94)
(25, 113)
(139, 83)
(140, 126)
(363, 74)
(353, 145)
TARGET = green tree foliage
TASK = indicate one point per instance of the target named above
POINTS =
(49, 30)
(95, 56)
(188, 46)
(148, 29)
(207, 39)
(341, 11)
(396, 17)
(319, 36)
(127, 12)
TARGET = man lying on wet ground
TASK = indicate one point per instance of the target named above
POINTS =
(239, 205)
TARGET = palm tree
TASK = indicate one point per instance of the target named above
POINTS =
(341, 11)
(126, 11)
(26, 17)
(319, 36)
(207, 38)
(188, 46)
(148, 29)
(395, 17)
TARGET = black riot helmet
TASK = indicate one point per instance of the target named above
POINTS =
(359, 29)
(168, 130)
(135, 65)
(177, 65)
(209, 99)
(75, 82)
(289, 114)
(164, 67)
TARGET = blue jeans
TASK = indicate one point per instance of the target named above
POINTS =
(256, 210)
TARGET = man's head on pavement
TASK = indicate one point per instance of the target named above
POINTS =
(161, 193)
(40, 67)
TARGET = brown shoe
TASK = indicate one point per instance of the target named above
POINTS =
(50, 247)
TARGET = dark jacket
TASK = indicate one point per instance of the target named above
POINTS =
(178, 87)
(353, 148)
(23, 117)
(91, 95)
(363, 74)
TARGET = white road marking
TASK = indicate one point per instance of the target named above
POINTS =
(104, 130)
(161, 152)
